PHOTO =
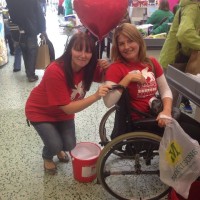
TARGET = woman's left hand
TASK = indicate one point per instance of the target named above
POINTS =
(103, 63)
(162, 121)
(102, 91)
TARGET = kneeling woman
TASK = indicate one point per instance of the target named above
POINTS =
(51, 105)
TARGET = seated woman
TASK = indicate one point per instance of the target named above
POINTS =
(142, 76)
(160, 16)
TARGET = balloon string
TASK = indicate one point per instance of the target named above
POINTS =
(99, 49)
(97, 103)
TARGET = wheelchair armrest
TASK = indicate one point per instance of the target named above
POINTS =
(145, 123)
(146, 120)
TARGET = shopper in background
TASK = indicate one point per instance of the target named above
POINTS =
(29, 17)
(14, 36)
(164, 27)
(17, 59)
(52, 104)
(183, 37)
(125, 19)
(68, 7)
(43, 4)
(161, 15)
(8, 37)
(60, 7)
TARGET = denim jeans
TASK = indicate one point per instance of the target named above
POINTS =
(18, 54)
(56, 136)
(29, 47)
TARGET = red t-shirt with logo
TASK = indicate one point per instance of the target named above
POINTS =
(140, 94)
(52, 92)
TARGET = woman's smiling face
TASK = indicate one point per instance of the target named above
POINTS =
(80, 59)
(128, 49)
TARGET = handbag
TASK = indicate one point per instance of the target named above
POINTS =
(51, 49)
(43, 57)
(179, 158)
(193, 65)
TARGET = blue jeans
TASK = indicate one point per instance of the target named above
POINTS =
(18, 54)
(56, 136)
(29, 47)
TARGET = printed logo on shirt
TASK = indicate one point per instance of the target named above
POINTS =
(150, 87)
(78, 93)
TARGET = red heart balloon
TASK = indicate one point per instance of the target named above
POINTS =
(100, 16)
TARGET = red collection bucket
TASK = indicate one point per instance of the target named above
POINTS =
(84, 157)
(194, 193)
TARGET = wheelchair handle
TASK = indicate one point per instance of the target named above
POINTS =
(116, 87)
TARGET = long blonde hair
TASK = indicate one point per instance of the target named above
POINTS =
(130, 31)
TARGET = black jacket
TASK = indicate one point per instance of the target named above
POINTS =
(28, 15)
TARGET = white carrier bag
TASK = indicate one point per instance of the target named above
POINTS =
(179, 158)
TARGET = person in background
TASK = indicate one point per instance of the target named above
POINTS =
(17, 59)
(161, 15)
(29, 17)
(129, 2)
(96, 40)
(142, 76)
(43, 4)
(125, 19)
(68, 7)
(8, 37)
(164, 27)
(183, 37)
(52, 104)
(60, 7)
(14, 37)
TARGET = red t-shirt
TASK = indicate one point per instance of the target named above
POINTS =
(52, 92)
(140, 94)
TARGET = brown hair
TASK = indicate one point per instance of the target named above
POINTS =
(164, 5)
(130, 31)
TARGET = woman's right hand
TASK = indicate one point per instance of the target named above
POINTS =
(133, 77)
(136, 77)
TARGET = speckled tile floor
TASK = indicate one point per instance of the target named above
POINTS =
(21, 167)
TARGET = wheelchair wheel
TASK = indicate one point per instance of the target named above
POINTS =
(106, 126)
(134, 177)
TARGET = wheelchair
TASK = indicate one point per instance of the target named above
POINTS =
(128, 166)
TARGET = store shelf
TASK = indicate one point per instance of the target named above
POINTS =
(154, 44)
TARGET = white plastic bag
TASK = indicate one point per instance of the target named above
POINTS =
(179, 158)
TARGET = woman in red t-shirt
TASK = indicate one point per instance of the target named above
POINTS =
(142, 76)
(51, 105)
